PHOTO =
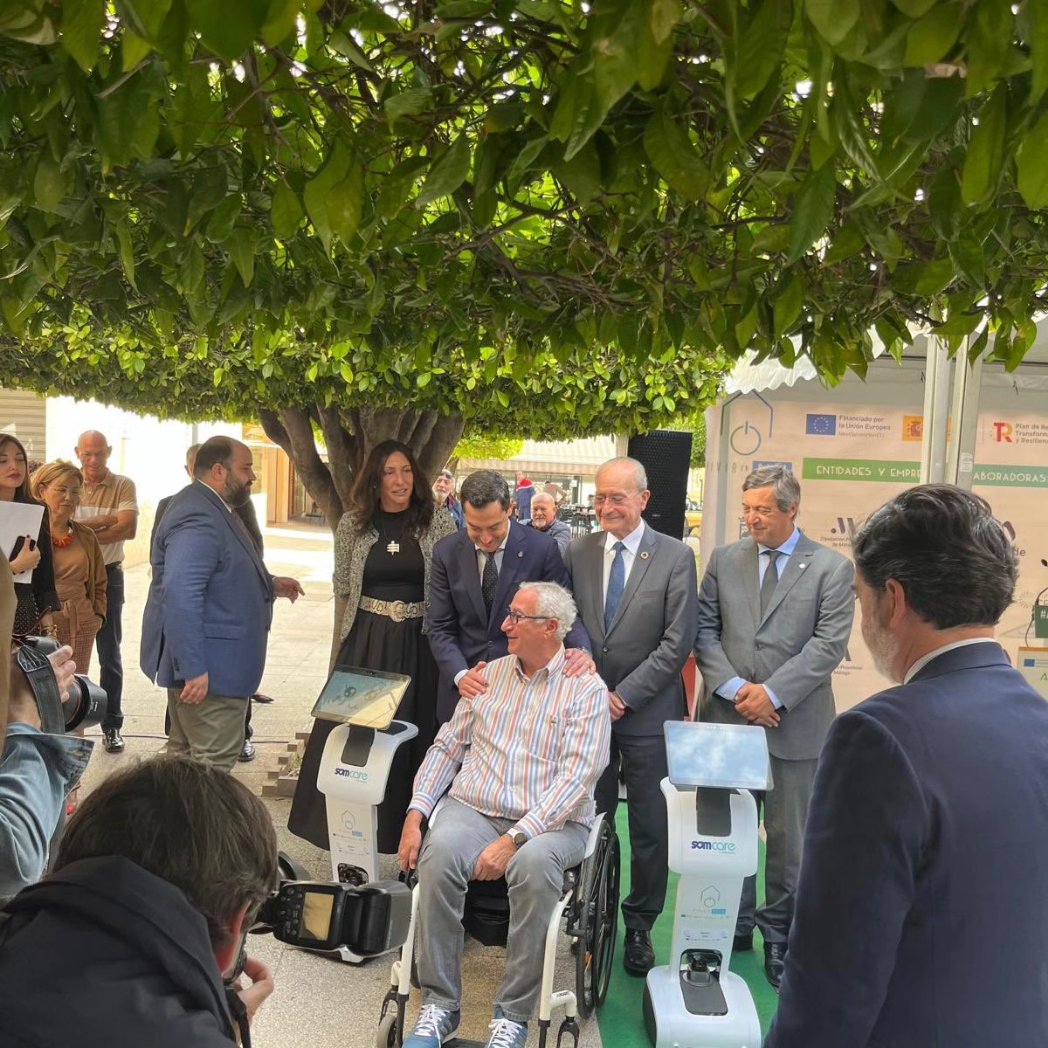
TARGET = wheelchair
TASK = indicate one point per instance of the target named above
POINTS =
(588, 908)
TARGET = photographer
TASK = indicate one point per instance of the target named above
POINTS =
(36, 770)
(127, 941)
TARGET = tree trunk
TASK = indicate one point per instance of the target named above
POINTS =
(349, 437)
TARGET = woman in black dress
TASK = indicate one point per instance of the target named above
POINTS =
(383, 548)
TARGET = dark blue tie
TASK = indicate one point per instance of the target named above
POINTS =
(616, 585)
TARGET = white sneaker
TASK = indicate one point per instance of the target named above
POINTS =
(505, 1033)
(433, 1027)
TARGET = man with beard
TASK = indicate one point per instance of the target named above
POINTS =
(922, 908)
(210, 605)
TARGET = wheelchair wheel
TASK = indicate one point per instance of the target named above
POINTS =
(386, 1034)
(598, 918)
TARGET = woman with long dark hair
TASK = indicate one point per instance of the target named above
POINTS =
(37, 599)
(383, 549)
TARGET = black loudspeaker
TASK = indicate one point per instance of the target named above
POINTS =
(666, 456)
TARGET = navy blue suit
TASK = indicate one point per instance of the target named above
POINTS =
(210, 601)
(922, 909)
(461, 633)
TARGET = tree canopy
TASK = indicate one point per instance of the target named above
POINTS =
(530, 216)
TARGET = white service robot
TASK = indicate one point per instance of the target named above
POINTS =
(355, 767)
(695, 1001)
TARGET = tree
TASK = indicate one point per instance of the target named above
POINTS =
(344, 213)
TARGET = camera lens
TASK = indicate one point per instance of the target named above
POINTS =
(86, 705)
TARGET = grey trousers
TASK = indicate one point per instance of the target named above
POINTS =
(535, 876)
(785, 815)
(211, 731)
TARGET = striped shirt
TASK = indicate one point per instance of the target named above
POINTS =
(112, 494)
(530, 750)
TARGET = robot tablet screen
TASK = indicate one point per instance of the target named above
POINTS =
(358, 696)
(719, 755)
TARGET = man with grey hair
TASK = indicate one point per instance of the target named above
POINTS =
(521, 759)
(775, 616)
(635, 590)
(544, 519)
(473, 577)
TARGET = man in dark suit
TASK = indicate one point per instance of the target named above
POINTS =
(474, 575)
(775, 615)
(210, 604)
(635, 589)
(922, 909)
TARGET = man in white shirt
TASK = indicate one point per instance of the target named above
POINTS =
(521, 759)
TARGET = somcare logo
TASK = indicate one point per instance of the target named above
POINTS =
(717, 846)
(352, 773)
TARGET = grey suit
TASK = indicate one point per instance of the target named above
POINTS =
(793, 649)
(640, 657)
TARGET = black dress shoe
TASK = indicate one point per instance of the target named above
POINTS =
(639, 957)
(774, 962)
(743, 942)
(264, 699)
(112, 740)
(247, 753)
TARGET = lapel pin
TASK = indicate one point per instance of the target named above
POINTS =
(520, 554)
(645, 555)
(802, 565)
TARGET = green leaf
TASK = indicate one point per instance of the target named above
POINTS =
(341, 44)
(834, 19)
(318, 190)
(788, 305)
(448, 173)
(674, 157)
(241, 245)
(228, 27)
(1033, 165)
(82, 22)
(665, 14)
(346, 203)
(760, 47)
(813, 210)
(286, 211)
(914, 8)
(280, 20)
(931, 38)
(581, 174)
(127, 252)
(982, 166)
(1037, 15)
(48, 183)
(412, 102)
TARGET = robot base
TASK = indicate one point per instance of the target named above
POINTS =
(671, 1025)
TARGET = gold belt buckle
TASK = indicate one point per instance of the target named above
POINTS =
(399, 609)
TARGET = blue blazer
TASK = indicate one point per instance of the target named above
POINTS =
(210, 601)
(921, 914)
(461, 633)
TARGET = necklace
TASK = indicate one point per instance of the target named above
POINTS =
(393, 545)
(61, 543)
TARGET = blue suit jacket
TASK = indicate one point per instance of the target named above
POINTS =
(210, 602)
(461, 633)
(922, 910)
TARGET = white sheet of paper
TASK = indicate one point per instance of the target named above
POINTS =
(18, 518)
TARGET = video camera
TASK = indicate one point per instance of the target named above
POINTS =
(84, 707)
(369, 920)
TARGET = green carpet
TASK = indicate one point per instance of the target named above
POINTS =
(621, 1019)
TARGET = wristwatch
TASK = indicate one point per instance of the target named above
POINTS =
(518, 838)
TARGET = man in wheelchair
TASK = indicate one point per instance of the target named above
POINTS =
(521, 761)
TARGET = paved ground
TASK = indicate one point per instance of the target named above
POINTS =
(318, 1003)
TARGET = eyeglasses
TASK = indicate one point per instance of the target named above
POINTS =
(73, 493)
(517, 617)
(614, 500)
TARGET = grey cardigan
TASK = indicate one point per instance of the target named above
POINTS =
(351, 552)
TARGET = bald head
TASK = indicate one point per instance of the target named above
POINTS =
(93, 451)
(543, 511)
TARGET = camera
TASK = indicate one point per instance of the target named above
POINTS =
(368, 920)
(84, 707)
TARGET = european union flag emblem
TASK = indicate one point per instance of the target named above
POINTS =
(821, 426)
